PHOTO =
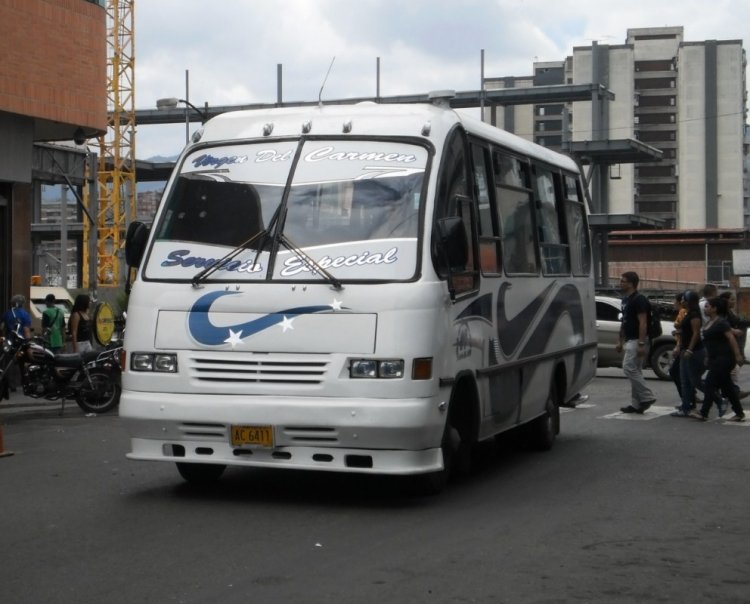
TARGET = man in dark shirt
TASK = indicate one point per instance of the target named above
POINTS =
(634, 341)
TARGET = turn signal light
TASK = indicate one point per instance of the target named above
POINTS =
(421, 369)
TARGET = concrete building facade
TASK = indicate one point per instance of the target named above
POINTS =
(53, 87)
(687, 99)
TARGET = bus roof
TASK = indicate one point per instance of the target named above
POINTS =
(422, 120)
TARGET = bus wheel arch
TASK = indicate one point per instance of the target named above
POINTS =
(462, 424)
(543, 430)
(459, 438)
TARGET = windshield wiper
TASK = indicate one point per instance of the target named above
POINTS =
(209, 270)
(311, 264)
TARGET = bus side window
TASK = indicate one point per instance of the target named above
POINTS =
(514, 203)
(489, 236)
(578, 229)
(552, 244)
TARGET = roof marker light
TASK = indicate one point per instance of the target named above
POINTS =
(441, 98)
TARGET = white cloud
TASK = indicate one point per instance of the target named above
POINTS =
(232, 47)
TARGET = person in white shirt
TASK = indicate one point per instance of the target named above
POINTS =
(709, 291)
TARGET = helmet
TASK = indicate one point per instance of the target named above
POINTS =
(17, 301)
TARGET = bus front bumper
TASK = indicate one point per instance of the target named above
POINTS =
(378, 436)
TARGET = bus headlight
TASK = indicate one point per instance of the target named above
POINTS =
(144, 361)
(391, 369)
(375, 368)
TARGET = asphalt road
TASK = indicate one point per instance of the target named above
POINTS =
(623, 509)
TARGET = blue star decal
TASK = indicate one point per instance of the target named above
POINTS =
(204, 332)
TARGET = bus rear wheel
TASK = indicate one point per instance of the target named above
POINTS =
(544, 429)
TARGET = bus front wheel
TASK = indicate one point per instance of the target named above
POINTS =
(200, 474)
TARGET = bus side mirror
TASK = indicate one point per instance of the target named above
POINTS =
(135, 243)
(453, 242)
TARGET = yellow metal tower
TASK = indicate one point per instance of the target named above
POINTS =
(116, 169)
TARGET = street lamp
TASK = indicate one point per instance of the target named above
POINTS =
(171, 103)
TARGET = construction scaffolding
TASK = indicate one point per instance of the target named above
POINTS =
(116, 189)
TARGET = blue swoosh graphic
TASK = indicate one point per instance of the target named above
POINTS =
(511, 332)
(205, 332)
(566, 301)
(481, 308)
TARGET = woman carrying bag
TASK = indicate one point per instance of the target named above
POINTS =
(80, 324)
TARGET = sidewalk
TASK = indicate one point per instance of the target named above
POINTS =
(24, 407)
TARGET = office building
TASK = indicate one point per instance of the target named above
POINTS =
(688, 100)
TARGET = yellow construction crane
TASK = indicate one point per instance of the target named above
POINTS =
(116, 169)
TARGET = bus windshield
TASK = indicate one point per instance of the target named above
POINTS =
(352, 207)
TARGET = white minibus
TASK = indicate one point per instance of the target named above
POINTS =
(369, 288)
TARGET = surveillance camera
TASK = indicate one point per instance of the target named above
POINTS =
(79, 137)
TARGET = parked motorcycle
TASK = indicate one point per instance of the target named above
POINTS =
(92, 378)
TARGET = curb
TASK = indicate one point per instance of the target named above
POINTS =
(20, 406)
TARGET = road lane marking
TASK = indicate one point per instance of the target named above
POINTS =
(651, 413)
(579, 406)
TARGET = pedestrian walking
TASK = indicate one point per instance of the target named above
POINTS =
(674, 369)
(80, 324)
(634, 342)
(691, 354)
(722, 354)
(709, 290)
(739, 327)
(53, 324)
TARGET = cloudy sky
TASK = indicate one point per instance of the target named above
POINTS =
(231, 47)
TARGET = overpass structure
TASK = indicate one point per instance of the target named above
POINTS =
(460, 100)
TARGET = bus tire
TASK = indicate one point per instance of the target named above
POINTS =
(456, 461)
(543, 430)
(200, 474)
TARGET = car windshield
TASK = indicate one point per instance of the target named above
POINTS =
(353, 207)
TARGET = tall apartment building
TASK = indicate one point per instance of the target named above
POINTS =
(687, 99)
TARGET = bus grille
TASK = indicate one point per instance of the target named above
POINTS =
(265, 370)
